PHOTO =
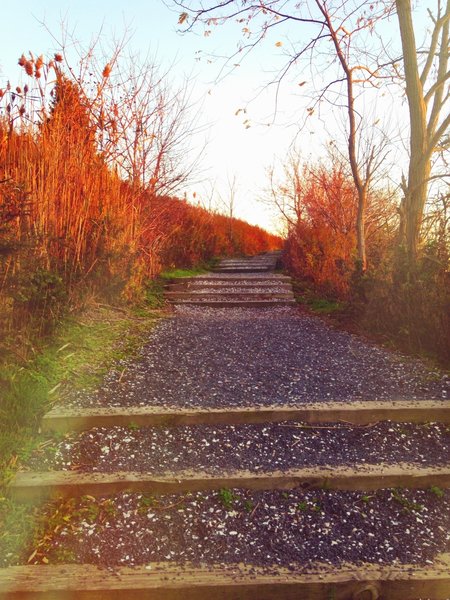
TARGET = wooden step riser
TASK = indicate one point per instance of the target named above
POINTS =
(245, 268)
(203, 287)
(231, 291)
(356, 413)
(227, 296)
(241, 270)
(244, 262)
(34, 486)
(167, 581)
(236, 303)
(229, 278)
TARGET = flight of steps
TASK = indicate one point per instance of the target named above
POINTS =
(245, 282)
(167, 581)
(254, 264)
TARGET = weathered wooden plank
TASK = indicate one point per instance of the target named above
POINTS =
(241, 286)
(236, 303)
(357, 413)
(30, 486)
(241, 283)
(219, 277)
(169, 581)
(226, 296)
(242, 270)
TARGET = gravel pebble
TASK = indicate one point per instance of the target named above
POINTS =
(240, 357)
(267, 447)
(288, 528)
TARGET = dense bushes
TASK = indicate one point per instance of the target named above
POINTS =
(410, 309)
(321, 241)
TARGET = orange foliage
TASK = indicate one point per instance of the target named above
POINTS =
(194, 234)
(66, 214)
(321, 242)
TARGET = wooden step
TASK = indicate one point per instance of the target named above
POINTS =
(245, 266)
(236, 303)
(246, 263)
(241, 284)
(171, 581)
(226, 296)
(356, 413)
(32, 486)
(240, 269)
(229, 278)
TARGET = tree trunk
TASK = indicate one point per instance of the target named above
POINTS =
(361, 230)
(420, 160)
(360, 185)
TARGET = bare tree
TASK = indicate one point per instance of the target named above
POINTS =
(427, 78)
(229, 204)
(285, 191)
(344, 23)
(145, 124)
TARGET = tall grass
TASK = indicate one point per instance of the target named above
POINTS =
(73, 221)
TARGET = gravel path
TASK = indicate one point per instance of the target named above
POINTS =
(215, 449)
(291, 528)
(241, 357)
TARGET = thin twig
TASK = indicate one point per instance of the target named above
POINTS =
(254, 510)
(171, 505)
(350, 426)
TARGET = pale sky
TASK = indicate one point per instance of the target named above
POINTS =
(233, 149)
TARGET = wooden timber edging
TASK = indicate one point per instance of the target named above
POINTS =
(171, 581)
(228, 297)
(236, 303)
(240, 295)
(228, 278)
(29, 486)
(202, 286)
(239, 283)
(222, 289)
(356, 413)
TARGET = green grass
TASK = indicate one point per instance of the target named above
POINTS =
(154, 293)
(177, 273)
(82, 350)
(314, 301)
(227, 498)
(199, 270)
(17, 528)
(323, 306)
